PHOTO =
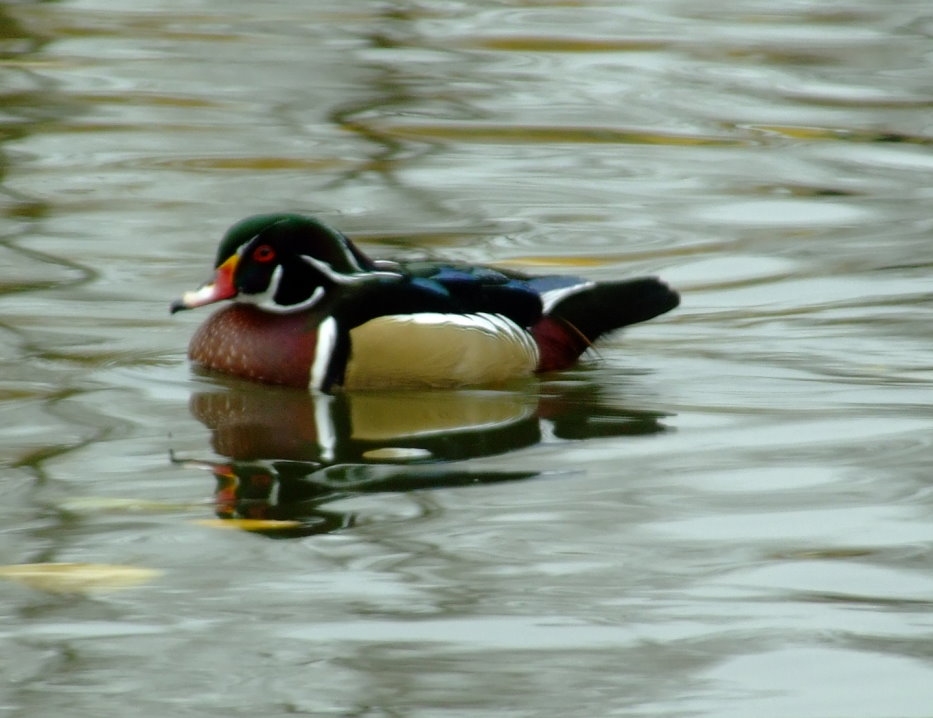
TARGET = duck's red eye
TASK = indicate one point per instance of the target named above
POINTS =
(263, 253)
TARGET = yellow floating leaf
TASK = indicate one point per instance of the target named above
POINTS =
(249, 524)
(77, 577)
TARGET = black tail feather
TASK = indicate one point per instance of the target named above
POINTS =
(606, 306)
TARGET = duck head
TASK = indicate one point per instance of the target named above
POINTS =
(281, 262)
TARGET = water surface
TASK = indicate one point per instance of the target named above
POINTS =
(725, 512)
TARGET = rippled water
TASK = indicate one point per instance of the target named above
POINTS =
(726, 513)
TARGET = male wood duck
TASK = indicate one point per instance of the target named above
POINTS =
(312, 310)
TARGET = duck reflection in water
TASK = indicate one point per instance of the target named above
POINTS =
(292, 453)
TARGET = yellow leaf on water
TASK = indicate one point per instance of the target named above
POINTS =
(249, 524)
(77, 577)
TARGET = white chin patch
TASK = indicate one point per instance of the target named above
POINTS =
(266, 302)
(264, 299)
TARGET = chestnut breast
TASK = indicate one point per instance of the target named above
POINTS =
(246, 341)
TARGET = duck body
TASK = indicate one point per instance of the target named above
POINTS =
(311, 310)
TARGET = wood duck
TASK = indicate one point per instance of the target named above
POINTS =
(312, 310)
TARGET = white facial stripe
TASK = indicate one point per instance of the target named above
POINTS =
(387, 265)
(266, 299)
(315, 297)
(328, 271)
(323, 352)
(345, 279)
(242, 248)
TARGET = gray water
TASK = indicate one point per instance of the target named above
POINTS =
(725, 512)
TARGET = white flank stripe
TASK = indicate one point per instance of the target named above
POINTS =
(323, 351)
(552, 297)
